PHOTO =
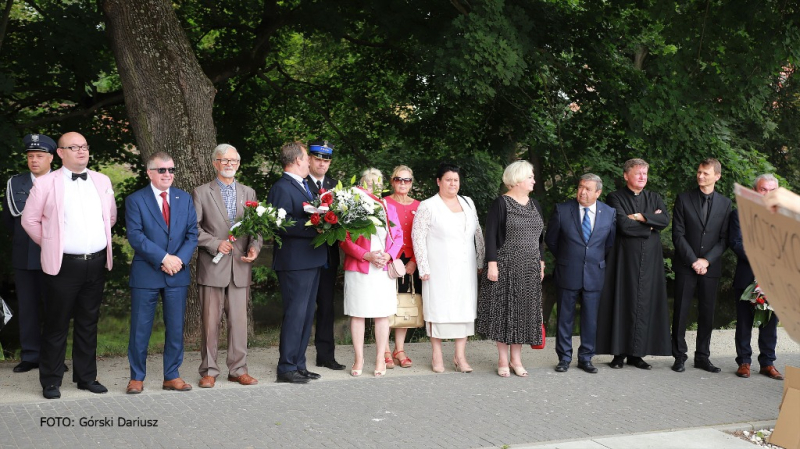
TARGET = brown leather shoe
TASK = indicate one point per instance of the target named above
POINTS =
(135, 387)
(244, 379)
(771, 372)
(744, 370)
(176, 384)
(207, 382)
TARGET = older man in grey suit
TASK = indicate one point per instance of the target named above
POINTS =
(224, 268)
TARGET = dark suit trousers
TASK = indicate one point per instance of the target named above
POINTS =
(590, 304)
(767, 334)
(143, 310)
(299, 293)
(323, 338)
(30, 287)
(74, 293)
(685, 286)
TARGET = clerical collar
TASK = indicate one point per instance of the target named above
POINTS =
(632, 192)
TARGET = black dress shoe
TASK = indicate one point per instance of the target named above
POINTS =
(617, 362)
(292, 377)
(562, 366)
(51, 392)
(588, 367)
(308, 374)
(331, 364)
(678, 366)
(24, 367)
(706, 365)
(639, 363)
(93, 386)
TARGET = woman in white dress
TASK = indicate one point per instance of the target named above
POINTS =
(448, 245)
(368, 290)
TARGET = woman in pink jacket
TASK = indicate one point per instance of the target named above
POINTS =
(368, 290)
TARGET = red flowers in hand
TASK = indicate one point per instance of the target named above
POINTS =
(760, 300)
(315, 219)
(251, 204)
(331, 218)
(321, 191)
(231, 238)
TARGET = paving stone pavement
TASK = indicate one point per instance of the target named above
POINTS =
(450, 410)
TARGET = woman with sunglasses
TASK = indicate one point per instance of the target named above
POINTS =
(406, 207)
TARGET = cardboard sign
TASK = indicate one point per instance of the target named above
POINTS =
(772, 243)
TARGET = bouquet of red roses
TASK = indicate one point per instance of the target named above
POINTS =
(755, 296)
(340, 211)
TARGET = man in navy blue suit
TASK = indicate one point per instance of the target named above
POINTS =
(742, 278)
(580, 234)
(297, 264)
(161, 227)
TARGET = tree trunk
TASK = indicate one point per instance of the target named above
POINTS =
(168, 97)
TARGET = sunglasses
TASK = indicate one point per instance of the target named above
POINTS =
(402, 180)
(162, 170)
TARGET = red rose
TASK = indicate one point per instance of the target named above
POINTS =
(322, 191)
(231, 238)
(314, 219)
(331, 218)
(305, 204)
(251, 204)
(324, 204)
(760, 300)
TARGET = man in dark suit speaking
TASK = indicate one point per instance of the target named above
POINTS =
(161, 225)
(700, 236)
(297, 263)
(580, 234)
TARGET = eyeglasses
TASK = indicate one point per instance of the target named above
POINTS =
(228, 161)
(76, 148)
(163, 170)
(402, 180)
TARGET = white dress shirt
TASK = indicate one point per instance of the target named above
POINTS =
(84, 228)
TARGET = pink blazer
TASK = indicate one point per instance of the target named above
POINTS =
(44, 213)
(354, 252)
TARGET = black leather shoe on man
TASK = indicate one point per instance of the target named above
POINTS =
(331, 364)
(24, 367)
(51, 392)
(93, 386)
(588, 367)
(292, 377)
(617, 362)
(308, 374)
(562, 366)
(706, 365)
(638, 362)
(679, 366)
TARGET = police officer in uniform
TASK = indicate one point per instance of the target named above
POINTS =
(28, 275)
(321, 154)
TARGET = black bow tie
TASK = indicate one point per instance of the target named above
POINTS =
(79, 175)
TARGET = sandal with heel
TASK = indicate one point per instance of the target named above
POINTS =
(387, 359)
(405, 362)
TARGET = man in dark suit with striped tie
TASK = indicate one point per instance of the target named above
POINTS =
(580, 234)
(297, 264)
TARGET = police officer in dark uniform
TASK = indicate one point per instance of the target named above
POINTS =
(320, 161)
(25, 260)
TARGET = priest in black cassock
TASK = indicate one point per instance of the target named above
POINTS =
(634, 317)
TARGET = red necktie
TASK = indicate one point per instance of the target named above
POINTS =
(165, 207)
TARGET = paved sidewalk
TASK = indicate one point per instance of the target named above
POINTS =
(410, 408)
